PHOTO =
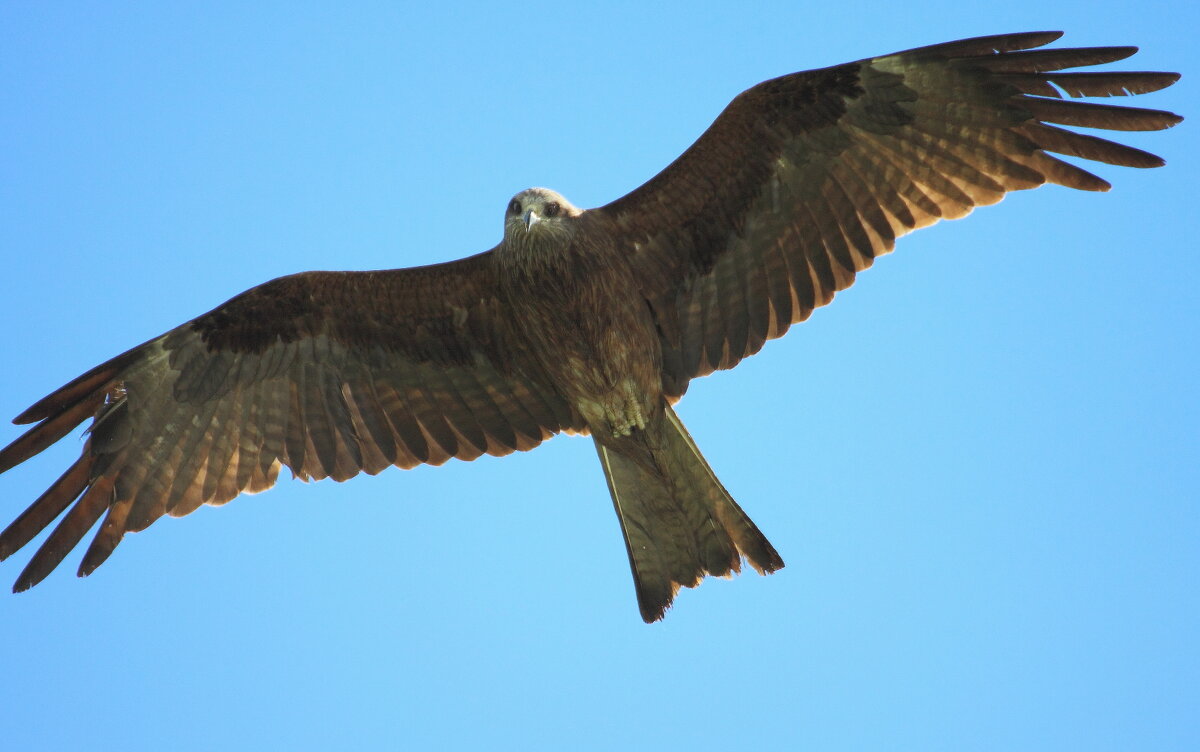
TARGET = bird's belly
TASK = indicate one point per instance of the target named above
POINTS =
(605, 359)
(611, 406)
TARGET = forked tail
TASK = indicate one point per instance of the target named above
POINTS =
(679, 521)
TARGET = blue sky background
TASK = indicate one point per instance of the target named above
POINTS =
(980, 463)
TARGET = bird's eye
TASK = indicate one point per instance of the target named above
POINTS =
(514, 207)
(552, 209)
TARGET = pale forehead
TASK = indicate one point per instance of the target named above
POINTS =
(540, 194)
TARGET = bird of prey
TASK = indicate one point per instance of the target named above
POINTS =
(589, 321)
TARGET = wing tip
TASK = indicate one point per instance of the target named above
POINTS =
(989, 44)
(1124, 51)
(26, 581)
(32, 414)
(1039, 38)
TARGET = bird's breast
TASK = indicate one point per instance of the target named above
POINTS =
(586, 323)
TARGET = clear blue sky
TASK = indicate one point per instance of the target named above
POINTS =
(980, 463)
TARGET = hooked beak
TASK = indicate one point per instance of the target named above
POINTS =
(531, 218)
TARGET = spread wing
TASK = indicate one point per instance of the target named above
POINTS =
(803, 180)
(327, 373)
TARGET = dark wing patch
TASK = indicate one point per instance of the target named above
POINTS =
(803, 180)
(326, 373)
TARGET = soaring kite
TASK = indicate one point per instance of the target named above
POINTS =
(585, 321)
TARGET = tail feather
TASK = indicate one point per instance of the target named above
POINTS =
(679, 522)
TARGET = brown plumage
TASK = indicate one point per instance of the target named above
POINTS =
(581, 321)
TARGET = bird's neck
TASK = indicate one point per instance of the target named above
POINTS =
(537, 253)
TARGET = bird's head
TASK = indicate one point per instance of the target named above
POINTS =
(539, 213)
